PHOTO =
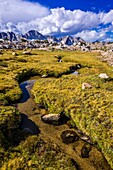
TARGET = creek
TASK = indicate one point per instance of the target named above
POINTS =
(31, 121)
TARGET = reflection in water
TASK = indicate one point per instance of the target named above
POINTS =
(25, 87)
(28, 125)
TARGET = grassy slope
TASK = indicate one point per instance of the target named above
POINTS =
(91, 109)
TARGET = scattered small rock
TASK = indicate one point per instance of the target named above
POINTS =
(86, 85)
(86, 139)
(103, 76)
(78, 66)
(44, 75)
(60, 61)
(69, 136)
(14, 54)
(27, 52)
(85, 150)
(75, 73)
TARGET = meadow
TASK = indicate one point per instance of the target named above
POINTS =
(90, 109)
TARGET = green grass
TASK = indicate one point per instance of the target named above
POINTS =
(90, 109)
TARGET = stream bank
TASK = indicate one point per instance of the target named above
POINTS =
(31, 119)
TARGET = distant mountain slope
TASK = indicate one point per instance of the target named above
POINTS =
(52, 39)
(35, 35)
(8, 36)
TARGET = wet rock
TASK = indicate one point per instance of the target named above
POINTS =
(55, 119)
(85, 150)
(86, 86)
(69, 136)
(78, 66)
(86, 139)
(103, 76)
(52, 119)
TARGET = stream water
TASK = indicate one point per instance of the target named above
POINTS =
(31, 122)
(26, 86)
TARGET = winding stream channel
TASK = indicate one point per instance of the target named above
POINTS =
(31, 121)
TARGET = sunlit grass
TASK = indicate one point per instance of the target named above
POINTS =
(90, 109)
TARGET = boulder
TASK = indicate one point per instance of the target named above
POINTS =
(85, 150)
(86, 86)
(54, 119)
(69, 136)
(103, 76)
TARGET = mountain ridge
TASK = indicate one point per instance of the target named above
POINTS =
(35, 35)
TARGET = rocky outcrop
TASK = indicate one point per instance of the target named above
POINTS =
(35, 35)
(8, 36)
(68, 40)
(52, 39)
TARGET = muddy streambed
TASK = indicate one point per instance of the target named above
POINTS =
(31, 120)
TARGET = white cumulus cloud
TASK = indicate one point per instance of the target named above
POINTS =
(19, 10)
(61, 21)
(107, 17)
(92, 35)
(21, 16)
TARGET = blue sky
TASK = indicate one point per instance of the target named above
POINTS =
(90, 19)
(86, 5)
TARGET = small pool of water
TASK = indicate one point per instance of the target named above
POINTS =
(25, 87)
